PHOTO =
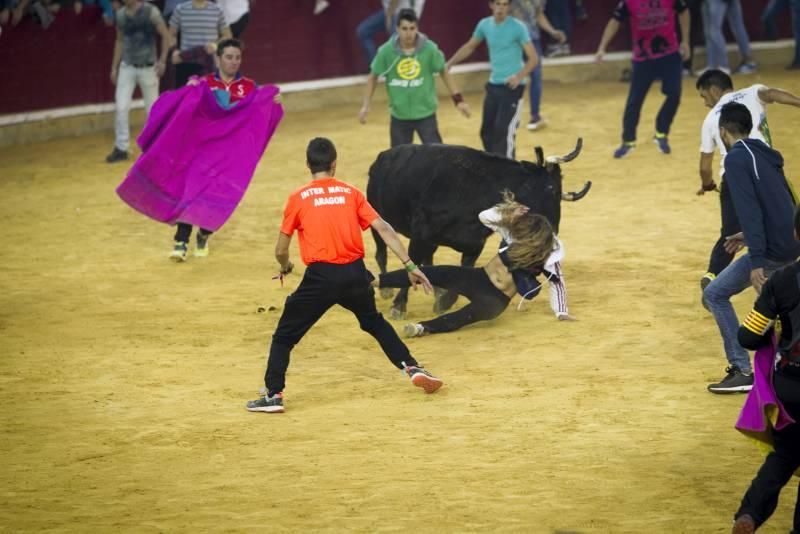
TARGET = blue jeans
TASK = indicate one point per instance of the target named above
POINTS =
(535, 90)
(734, 279)
(768, 17)
(369, 28)
(714, 13)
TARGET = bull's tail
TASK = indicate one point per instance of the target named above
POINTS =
(572, 196)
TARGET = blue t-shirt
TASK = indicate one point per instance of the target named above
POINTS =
(505, 43)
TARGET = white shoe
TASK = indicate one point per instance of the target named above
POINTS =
(413, 330)
(320, 6)
(536, 124)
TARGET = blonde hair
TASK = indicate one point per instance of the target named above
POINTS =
(532, 237)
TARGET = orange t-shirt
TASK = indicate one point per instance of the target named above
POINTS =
(329, 216)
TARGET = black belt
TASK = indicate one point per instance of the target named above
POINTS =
(142, 65)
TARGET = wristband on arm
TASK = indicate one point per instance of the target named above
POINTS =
(457, 98)
(710, 187)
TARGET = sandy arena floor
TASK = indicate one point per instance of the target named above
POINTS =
(124, 376)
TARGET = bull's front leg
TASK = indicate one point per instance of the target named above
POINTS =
(420, 253)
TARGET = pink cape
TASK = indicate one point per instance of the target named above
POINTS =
(762, 410)
(197, 157)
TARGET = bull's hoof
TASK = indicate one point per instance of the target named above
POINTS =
(444, 300)
(387, 293)
(397, 314)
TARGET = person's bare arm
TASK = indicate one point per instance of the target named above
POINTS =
(282, 253)
(544, 23)
(706, 174)
(609, 32)
(392, 241)
(455, 94)
(530, 64)
(772, 95)
(165, 41)
(685, 20)
(368, 92)
(116, 58)
(463, 53)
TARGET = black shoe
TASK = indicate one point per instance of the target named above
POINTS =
(267, 404)
(116, 155)
(735, 382)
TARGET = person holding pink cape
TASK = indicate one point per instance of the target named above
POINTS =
(200, 148)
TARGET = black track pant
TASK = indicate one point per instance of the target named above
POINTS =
(486, 301)
(761, 498)
(501, 110)
(184, 231)
(644, 73)
(730, 225)
(401, 132)
(323, 285)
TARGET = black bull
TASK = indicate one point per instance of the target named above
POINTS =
(433, 194)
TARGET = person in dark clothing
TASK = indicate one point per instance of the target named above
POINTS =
(329, 216)
(764, 206)
(657, 54)
(780, 298)
(489, 289)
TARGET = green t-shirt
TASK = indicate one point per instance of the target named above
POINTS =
(409, 78)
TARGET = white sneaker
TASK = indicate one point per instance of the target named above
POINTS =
(536, 124)
(413, 330)
(320, 6)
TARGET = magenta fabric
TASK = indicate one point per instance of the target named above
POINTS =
(762, 410)
(654, 29)
(198, 158)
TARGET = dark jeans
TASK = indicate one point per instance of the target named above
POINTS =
(238, 27)
(184, 232)
(323, 285)
(184, 71)
(558, 13)
(762, 497)
(644, 73)
(486, 301)
(720, 258)
(501, 110)
(401, 132)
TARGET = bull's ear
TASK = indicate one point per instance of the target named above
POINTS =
(539, 156)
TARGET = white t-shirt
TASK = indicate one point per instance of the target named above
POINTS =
(234, 9)
(416, 5)
(709, 134)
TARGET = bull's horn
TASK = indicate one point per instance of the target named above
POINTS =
(572, 196)
(539, 156)
(569, 157)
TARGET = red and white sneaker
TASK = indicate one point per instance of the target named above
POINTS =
(423, 379)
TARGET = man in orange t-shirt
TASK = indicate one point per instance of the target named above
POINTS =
(329, 216)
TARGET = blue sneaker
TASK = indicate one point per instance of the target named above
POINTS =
(624, 149)
(663, 144)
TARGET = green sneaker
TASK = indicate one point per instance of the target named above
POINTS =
(178, 253)
(201, 250)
